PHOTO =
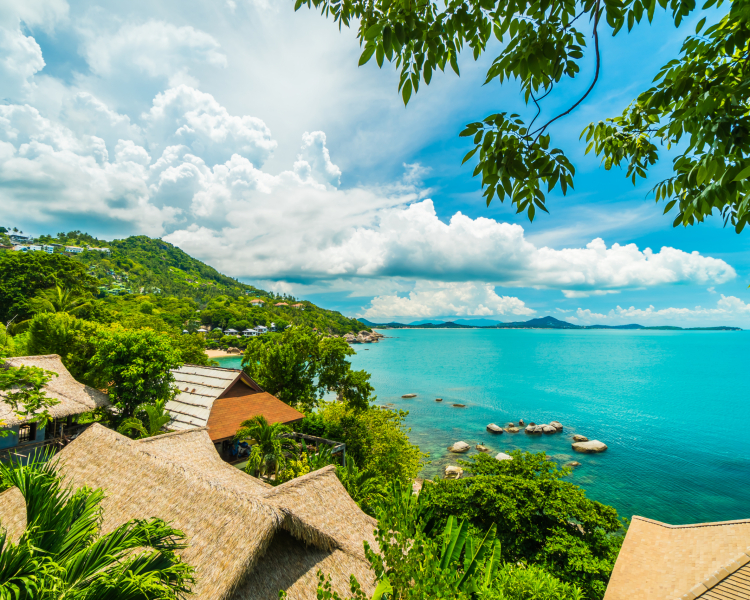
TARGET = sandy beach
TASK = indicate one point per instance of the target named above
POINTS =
(221, 353)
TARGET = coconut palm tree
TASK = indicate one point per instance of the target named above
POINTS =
(365, 487)
(62, 554)
(150, 420)
(59, 300)
(271, 445)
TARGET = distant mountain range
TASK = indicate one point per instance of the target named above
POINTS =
(540, 323)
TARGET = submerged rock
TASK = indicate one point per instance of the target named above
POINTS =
(438, 399)
(590, 447)
(460, 405)
(459, 447)
(453, 472)
(492, 428)
(512, 429)
(503, 456)
(580, 438)
(557, 425)
(409, 396)
(482, 448)
(520, 422)
(573, 463)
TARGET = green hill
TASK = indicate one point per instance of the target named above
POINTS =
(151, 277)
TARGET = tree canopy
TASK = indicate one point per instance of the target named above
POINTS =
(699, 102)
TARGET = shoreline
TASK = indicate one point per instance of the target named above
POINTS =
(222, 354)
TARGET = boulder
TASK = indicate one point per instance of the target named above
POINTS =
(460, 405)
(452, 472)
(503, 456)
(492, 428)
(520, 422)
(459, 447)
(533, 429)
(511, 425)
(557, 425)
(438, 399)
(573, 463)
(547, 428)
(409, 396)
(532, 423)
(590, 447)
(512, 429)
(482, 448)
(580, 438)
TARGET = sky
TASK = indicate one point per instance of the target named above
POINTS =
(245, 133)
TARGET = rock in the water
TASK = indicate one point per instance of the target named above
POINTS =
(460, 405)
(520, 422)
(512, 429)
(492, 428)
(533, 429)
(511, 425)
(482, 448)
(503, 456)
(532, 423)
(557, 425)
(590, 447)
(438, 399)
(409, 396)
(573, 463)
(459, 447)
(547, 428)
(452, 472)
(580, 438)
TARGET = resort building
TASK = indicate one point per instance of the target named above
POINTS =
(73, 398)
(245, 539)
(221, 399)
(261, 329)
(298, 306)
(281, 304)
(73, 249)
(249, 333)
(257, 302)
(231, 332)
(707, 561)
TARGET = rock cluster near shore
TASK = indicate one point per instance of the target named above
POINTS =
(492, 428)
(364, 337)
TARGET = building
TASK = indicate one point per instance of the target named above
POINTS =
(221, 399)
(261, 329)
(73, 249)
(249, 333)
(273, 327)
(281, 304)
(707, 561)
(298, 306)
(245, 539)
(257, 302)
(18, 238)
(231, 332)
(74, 399)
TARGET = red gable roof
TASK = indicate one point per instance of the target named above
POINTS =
(228, 412)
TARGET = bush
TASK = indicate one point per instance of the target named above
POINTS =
(375, 438)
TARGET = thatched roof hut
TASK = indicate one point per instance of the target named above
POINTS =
(247, 540)
(221, 399)
(74, 398)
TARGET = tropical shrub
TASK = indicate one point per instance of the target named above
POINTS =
(366, 488)
(271, 446)
(149, 420)
(540, 518)
(376, 439)
(23, 391)
(63, 554)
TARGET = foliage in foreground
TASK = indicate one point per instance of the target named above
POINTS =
(376, 439)
(417, 560)
(62, 553)
(23, 391)
(367, 488)
(271, 446)
(698, 103)
(540, 518)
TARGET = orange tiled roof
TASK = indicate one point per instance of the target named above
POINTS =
(682, 562)
(227, 413)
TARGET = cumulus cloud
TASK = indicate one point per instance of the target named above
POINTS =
(727, 307)
(154, 48)
(42, 13)
(460, 299)
(20, 59)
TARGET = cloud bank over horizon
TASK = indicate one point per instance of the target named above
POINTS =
(171, 160)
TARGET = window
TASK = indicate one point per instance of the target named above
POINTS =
(27, 433)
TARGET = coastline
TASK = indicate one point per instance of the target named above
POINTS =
(221, 353)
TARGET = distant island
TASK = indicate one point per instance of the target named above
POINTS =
(540, 323)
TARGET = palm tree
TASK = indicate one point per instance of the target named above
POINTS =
(59, 300)
(62, 554)
(156, 417)
(271, 445)
(365, 487)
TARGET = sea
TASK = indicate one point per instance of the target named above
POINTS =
(673, 407)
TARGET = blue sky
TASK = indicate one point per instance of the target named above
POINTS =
(245, 133)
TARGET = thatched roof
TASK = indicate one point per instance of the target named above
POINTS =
(75, 398)
(673, 562)
(246, 539)
(222, 399)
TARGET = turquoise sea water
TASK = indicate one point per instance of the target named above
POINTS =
(673, 407)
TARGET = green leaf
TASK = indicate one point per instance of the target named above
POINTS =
(379, 55)
(744, 174)
(470, 154)
(700, 25)
(406, 92)
(366, 55)
(373, 31)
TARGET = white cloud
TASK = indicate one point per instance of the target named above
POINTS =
(726, 309)
(154, 48)
(438, 299)
(20, 59)
(43, 13)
